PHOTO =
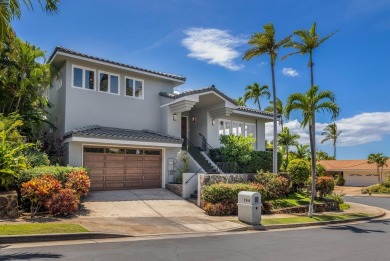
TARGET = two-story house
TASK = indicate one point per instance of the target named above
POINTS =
(127, 125)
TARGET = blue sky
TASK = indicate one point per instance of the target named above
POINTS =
(204, 41)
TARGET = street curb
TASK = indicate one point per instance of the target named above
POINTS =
(311, 224)
(368, 196)
(57, 237)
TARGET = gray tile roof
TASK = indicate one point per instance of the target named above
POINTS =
(96, 131)
(68, 51)
(214, 89)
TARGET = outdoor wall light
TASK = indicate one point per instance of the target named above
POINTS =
(193, 119)
(174, 117)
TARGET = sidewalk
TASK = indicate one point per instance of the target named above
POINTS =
(356, 192)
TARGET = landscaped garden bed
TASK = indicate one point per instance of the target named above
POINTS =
(28, 229)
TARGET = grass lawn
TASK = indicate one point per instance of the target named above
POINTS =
(27, 229)
(293, 200)
(315, 219)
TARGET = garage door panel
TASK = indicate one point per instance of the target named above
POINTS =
(360, 180)
(123, 171)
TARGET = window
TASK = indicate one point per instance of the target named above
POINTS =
(227, 127)
(134, 88)
(94, 150)
(108, 83)
(115, 151)
(83, 78)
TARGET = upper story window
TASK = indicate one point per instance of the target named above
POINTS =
(227, 127)
(83, 78)
(108, 83)
(134, 87)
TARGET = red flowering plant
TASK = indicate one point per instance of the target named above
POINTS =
(63, 203)
(39, 191)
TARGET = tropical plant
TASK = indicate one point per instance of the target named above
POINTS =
(309, 103)
(237, 149)
(63, 203)
(255, 92)
(331, 133)
(302, 151)
(240, 101)
(286, 139)
(11, 9)
(265, 43)
(79, 182)
(279, 109)
(299, 171)
(309, 41)
(325, 185)
(23, 80)
(322, 155)
(185, 167)
(380, 160)
(12, 149)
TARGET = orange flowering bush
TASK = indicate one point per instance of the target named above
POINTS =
(79, 182)
(39, 191)
(63, 203)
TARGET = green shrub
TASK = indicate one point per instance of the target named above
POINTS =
(221, 209)
(336, 197)
(320, 170)
(228, 193)
(274, 185)
(59, 172)
(63, 203)
(340, 181)
(376, 189)
(386, 183)
(261, 160)
(216, 155)
(37, 158)
(299, 171)
(324, 185)
(237, 149)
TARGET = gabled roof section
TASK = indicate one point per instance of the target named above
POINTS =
(96, 131)
(60, 49)
(212, 88)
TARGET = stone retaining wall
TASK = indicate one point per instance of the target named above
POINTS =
(175, 188)
(330, 205)
(9, 205)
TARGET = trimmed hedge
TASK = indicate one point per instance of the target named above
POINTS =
(59, 172)
(274, 185)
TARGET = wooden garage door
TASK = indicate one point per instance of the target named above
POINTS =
(119, 168)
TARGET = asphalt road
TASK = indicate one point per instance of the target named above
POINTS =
(363, 241)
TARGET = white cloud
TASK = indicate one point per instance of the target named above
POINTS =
(213, 46)
(290, 72)
(357, 130)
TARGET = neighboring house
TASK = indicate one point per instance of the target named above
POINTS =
(127, 126)
(356, 172)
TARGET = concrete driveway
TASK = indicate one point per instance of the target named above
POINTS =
(146, 211)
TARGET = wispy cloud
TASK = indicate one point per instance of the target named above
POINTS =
(357, 130)
(290, 72)
(214, 46)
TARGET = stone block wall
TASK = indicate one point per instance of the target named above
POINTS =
(175, 188)
(9, 205)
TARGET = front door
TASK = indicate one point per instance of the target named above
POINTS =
(184, 130)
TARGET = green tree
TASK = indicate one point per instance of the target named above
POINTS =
(279, 109)
(265, 43)
(380, 160)
(331, 133)
(309, 104)
(255, 92)
(240, 101)
(23, 80)
(302, 151)
(11, 9)
(322, 155)
(286, 139)
(309, 41)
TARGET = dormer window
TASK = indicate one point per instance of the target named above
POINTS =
(83, 78)
(134, 88)
(109, 83)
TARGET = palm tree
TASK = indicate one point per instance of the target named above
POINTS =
(279, 109)
(265, 43)
(380, 160)
(309, 103)
(255, 92)
(331, 133)
(309, 41)
(302, 151)
(286, 139)
(11, 9)
(240, 101)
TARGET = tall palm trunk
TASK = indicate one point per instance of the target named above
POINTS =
(275, 149)
(312, 134)
(334, 149)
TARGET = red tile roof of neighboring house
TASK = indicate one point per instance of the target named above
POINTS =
(339, 165)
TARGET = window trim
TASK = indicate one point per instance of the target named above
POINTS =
(244, 125)
(109, 82)
(134, 79)
(83, 78)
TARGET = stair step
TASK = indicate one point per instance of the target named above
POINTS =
(194, 195)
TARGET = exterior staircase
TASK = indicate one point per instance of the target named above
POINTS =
(196, 153)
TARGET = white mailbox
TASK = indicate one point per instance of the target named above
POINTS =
(249, 207)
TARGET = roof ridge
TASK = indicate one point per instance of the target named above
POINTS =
(70, 51)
